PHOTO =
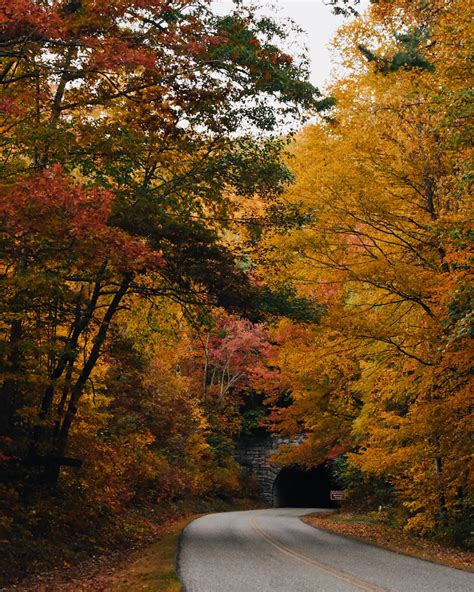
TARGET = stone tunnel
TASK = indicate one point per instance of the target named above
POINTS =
(288, 486)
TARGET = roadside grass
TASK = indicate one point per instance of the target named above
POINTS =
(369, 529)
(153, 568)
(143, 566)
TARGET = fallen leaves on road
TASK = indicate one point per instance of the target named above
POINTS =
(392, 539)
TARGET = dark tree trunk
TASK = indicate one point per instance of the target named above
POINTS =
(61, 440)
(10, 397)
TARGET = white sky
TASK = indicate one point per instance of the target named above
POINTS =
(320, 25)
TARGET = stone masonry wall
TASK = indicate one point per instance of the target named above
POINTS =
(252, 454)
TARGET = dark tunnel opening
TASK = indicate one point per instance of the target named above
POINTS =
(295, 487)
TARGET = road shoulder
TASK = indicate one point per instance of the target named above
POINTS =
(391, 539)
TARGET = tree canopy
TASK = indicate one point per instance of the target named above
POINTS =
(180, 268)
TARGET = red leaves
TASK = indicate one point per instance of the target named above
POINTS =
(26, 18)
(49, 211)
(9, 106)
(240, 340)
(236, 355)
(42, 202)
(115, 54)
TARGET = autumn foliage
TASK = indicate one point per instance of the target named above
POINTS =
(172, 277)
(385, 379)
(130, 137)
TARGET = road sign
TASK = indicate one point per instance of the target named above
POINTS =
(337, 495)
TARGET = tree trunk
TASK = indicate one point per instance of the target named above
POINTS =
(9, 399)
(442, 510)
(61, 441)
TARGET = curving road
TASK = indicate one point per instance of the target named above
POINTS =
(274, 551)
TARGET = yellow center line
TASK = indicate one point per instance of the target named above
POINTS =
(361, 584)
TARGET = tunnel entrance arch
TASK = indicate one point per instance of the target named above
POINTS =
(295, 487)
(276, 485)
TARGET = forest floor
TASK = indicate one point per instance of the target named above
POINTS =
(369, 529)
(150, 568)
(143, 566)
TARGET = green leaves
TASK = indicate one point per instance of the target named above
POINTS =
(409, 57)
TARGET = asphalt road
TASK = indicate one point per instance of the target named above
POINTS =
(274, 551)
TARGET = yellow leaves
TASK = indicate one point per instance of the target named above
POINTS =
(420, 522)
(388, 255)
